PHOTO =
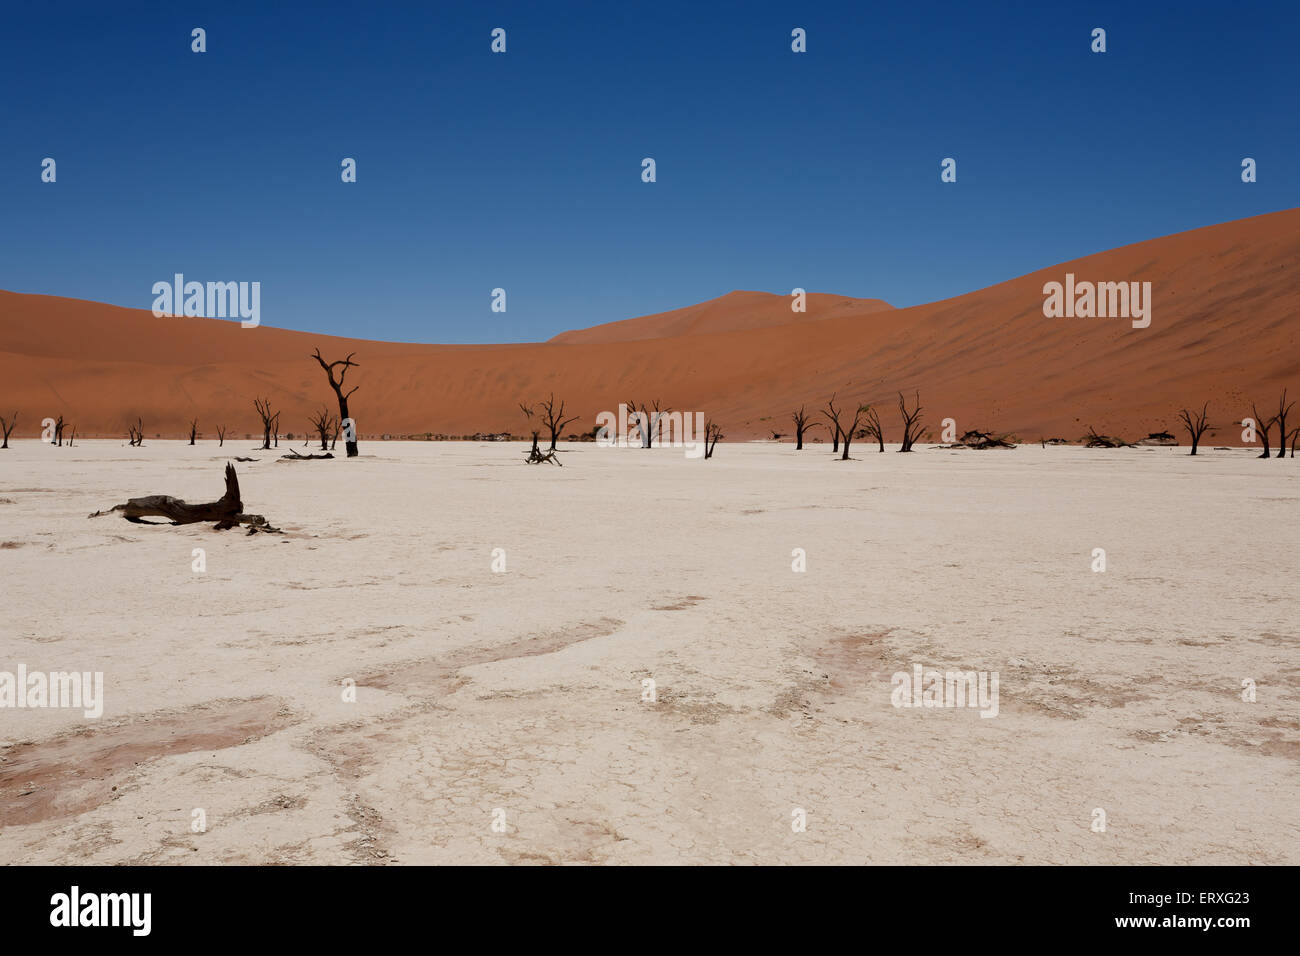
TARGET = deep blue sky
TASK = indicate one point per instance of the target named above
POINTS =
(522, 170)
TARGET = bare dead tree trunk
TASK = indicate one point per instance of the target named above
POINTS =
(842, 432)
(275, 429)
(1195, 424)
(535, 455)
(194, 429)
(1263, 426)
(72, 437)
(642, 426)
(554, 418)
(7, 426)
(221, 436)
(324, 425)
(263, 406)
(647, 419)
(852, 430)
(911, 422)
(337, 385)
(136, 432)
(58, 432)
(873, 428)
(1283, 409)
(712, 432)
(801, 425)
(833, 416)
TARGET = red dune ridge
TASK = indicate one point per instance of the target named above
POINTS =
(1223, 298)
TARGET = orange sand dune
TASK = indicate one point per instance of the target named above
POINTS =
(1223, 330)
(732, 312)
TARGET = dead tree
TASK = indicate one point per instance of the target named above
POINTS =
(7, 426)
(323, 423)
(275, 429)
(872, 427)
(833, 415)
(263, 406)
(194, 429)
(345, 417)
(712, 432)
(911, 422)
(137, 433)
(72, 436)
(227, 511)
(801, 425)
(842, 430)
(221, 435)
(1283, 409)
(536, 456)
(554, 418)
(1195, 424)
(58, 432)
(647, 420)
(1264, 426)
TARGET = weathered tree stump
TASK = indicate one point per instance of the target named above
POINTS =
(227, 511)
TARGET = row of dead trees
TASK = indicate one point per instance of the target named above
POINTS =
(1196, 424)
(549, 415)
(864, 423)
(324, 423)
(1264, 426)
(7, 427)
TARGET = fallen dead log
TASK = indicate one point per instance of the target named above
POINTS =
(294, 456)
(227, 511)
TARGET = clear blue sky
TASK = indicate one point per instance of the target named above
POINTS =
(522, 170)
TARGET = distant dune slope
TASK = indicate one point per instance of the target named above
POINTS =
(733, 312)
(1223, 330)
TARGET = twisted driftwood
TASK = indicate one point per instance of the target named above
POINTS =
(227, 511)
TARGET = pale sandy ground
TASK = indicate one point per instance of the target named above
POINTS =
(522, 691)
